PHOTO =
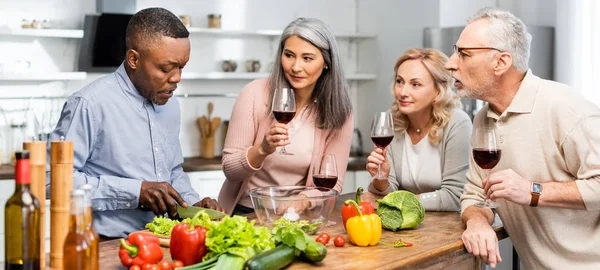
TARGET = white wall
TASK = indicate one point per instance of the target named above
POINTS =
(56, 54)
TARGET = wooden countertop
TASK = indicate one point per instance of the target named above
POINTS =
(437, 244)
(194, 164)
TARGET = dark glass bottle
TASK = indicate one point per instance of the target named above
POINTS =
(22, 221)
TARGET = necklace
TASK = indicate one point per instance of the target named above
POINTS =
(418, 130)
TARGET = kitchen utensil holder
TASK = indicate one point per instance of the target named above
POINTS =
(207, 147)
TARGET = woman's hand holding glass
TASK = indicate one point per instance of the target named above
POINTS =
(377, 162)
(276, 136)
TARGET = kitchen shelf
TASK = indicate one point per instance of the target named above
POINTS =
(257, 75)
(59, 33)
(43, 76)
(268, 33)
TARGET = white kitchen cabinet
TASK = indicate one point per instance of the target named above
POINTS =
(362, 179)
(348, 186)
(207, 183)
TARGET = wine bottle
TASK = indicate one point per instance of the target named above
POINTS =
(22, 221)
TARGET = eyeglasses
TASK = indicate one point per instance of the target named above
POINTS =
(459, 50)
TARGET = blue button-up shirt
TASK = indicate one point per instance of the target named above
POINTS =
(120, 140)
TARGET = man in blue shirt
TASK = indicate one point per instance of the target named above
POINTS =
(125, 130)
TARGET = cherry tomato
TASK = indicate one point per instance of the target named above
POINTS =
(135, 267)
(149, 266)
(325, 237)
(177, 264)
(164, 265)
(321, 240)
(339, 241)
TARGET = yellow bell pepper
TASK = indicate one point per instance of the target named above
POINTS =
(363, 230)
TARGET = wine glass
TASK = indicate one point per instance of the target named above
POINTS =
(284, 109)
(382, 133)
(325, 175)
(486, 154)
(325, 171)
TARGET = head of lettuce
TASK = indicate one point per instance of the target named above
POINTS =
(400, 210)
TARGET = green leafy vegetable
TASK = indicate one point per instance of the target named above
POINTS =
(400, 210)
(304, 225)
(161, 226)
(235, 235)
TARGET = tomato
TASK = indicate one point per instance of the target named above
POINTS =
(135, 267)
(325, 237)
(339, 241)
(321, 240)
(177, 264)
(149, 266)
(164, 265)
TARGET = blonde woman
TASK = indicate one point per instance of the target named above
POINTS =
(430, 152)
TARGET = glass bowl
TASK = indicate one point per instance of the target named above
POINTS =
(289, 202)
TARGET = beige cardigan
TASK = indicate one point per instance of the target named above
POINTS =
(248, 124)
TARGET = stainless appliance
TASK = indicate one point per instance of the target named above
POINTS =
(541, 60)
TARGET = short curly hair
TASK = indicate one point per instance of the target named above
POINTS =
(150, 24)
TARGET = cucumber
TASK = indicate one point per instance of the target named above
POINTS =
(315, 252)
(273, 259)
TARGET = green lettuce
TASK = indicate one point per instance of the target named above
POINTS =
(235, 235)
(400, 210)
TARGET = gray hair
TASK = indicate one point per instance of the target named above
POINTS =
(508, 33)
(331, 94)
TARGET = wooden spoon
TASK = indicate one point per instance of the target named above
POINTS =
(214, 124)
(203, 123)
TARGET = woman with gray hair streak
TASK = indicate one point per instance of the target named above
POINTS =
(307, 61)
(429, 155)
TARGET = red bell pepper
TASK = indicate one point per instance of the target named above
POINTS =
(188, 242)
(140, 248)
(348, 211)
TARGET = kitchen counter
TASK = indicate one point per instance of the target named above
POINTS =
(194, 164)
(437, 244)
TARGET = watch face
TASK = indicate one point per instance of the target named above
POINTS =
(536, 188)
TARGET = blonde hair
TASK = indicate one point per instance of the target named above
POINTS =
(444, 102)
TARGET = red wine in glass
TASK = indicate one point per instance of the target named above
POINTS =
(486, 158)
(382, 133)
(382, 141)
(284, 109)
(283, 116)
(487, 155)
(327, 181)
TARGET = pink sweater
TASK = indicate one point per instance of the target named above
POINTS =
(248, 124)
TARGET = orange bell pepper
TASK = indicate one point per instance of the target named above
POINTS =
(363, 230)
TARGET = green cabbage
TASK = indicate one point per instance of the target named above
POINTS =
(400, 210)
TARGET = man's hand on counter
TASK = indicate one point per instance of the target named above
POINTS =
(161, 198)
(210, 203)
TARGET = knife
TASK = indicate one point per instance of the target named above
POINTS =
(190, 211)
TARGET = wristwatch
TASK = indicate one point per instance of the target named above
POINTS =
(536, 191)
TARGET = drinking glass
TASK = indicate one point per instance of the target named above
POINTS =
(325, 171)
(382, 133)
(486, 154)
(325, 175)
(284, 109)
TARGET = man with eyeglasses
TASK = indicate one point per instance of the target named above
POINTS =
(547, 181)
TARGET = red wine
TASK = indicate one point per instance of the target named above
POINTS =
(382, 141)
(486, 158)
(327, 181)
(284, 117)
